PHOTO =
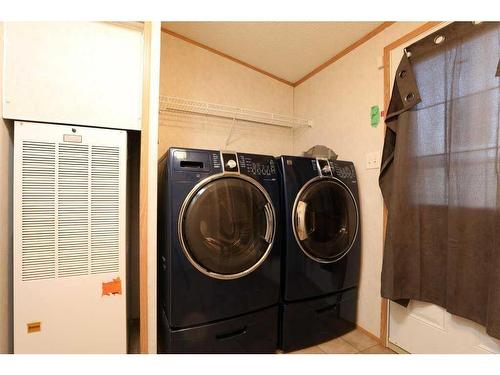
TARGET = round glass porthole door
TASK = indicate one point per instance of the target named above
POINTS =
(227, 226)
(325, 220)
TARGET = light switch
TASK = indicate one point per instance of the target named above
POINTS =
(373, 160)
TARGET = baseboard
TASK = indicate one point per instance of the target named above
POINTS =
(396, 348)
(369, 334)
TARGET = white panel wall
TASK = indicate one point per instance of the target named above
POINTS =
(191, 72)
(338, 100)
(82, 73)
(6, 151)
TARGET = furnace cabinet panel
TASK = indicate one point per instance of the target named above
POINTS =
(69, 239)
(82, 73)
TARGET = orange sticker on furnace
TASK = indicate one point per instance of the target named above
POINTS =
(34, 327)
(112, 287)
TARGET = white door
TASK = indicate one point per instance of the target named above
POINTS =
(427, 328)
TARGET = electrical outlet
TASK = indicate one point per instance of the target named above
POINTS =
(373, 160)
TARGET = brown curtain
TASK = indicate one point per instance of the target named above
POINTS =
(440, 175)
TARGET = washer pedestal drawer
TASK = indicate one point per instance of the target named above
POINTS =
(250, 333)
(314, 321)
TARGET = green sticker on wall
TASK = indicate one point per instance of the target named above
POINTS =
(375, 116)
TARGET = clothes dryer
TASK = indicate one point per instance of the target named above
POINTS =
(322, 244)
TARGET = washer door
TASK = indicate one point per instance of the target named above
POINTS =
(325, 219)
(227, 226)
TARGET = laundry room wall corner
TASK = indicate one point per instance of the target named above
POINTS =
(338, 101)
(191, 72)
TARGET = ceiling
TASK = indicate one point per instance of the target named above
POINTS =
(288, 50)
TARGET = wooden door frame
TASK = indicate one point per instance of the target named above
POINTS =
(384, 312)
(147, 187)
(143, 194)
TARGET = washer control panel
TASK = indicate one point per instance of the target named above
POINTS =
(216, 160)
(230, 162)
(258, 165)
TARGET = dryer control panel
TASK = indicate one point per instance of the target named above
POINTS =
(325, 169)
(343, 170)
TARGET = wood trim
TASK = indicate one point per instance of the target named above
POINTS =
(345, 51)
(143, 194)
(369, 334)
(384, 308)
(387, 51)
(412, 34)
(396, 348)
(222, 54)
(338, 56)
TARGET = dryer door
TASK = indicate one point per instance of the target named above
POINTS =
(325, 219)
(227, 226)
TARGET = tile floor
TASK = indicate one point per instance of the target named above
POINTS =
(355, 342)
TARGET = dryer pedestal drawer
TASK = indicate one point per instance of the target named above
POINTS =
(251, 333)
(312, 322)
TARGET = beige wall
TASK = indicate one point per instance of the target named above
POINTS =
(6, 149)
(191, 72)
(338, 100)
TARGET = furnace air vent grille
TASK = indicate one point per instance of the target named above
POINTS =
(73, 210)
(38, 210)
(105, 206)
(70, 210)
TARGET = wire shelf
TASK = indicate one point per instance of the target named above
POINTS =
(173, 104)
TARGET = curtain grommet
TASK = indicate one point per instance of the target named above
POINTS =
(439, 39)
(409, 97)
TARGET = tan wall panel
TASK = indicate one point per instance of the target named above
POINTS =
(193, 73)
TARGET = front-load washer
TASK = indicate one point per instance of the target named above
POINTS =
(321, 257)
(218, 252)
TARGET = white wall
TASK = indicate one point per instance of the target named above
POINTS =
(6, 150)
(338, 100)
(194, 73)
(81, 73)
